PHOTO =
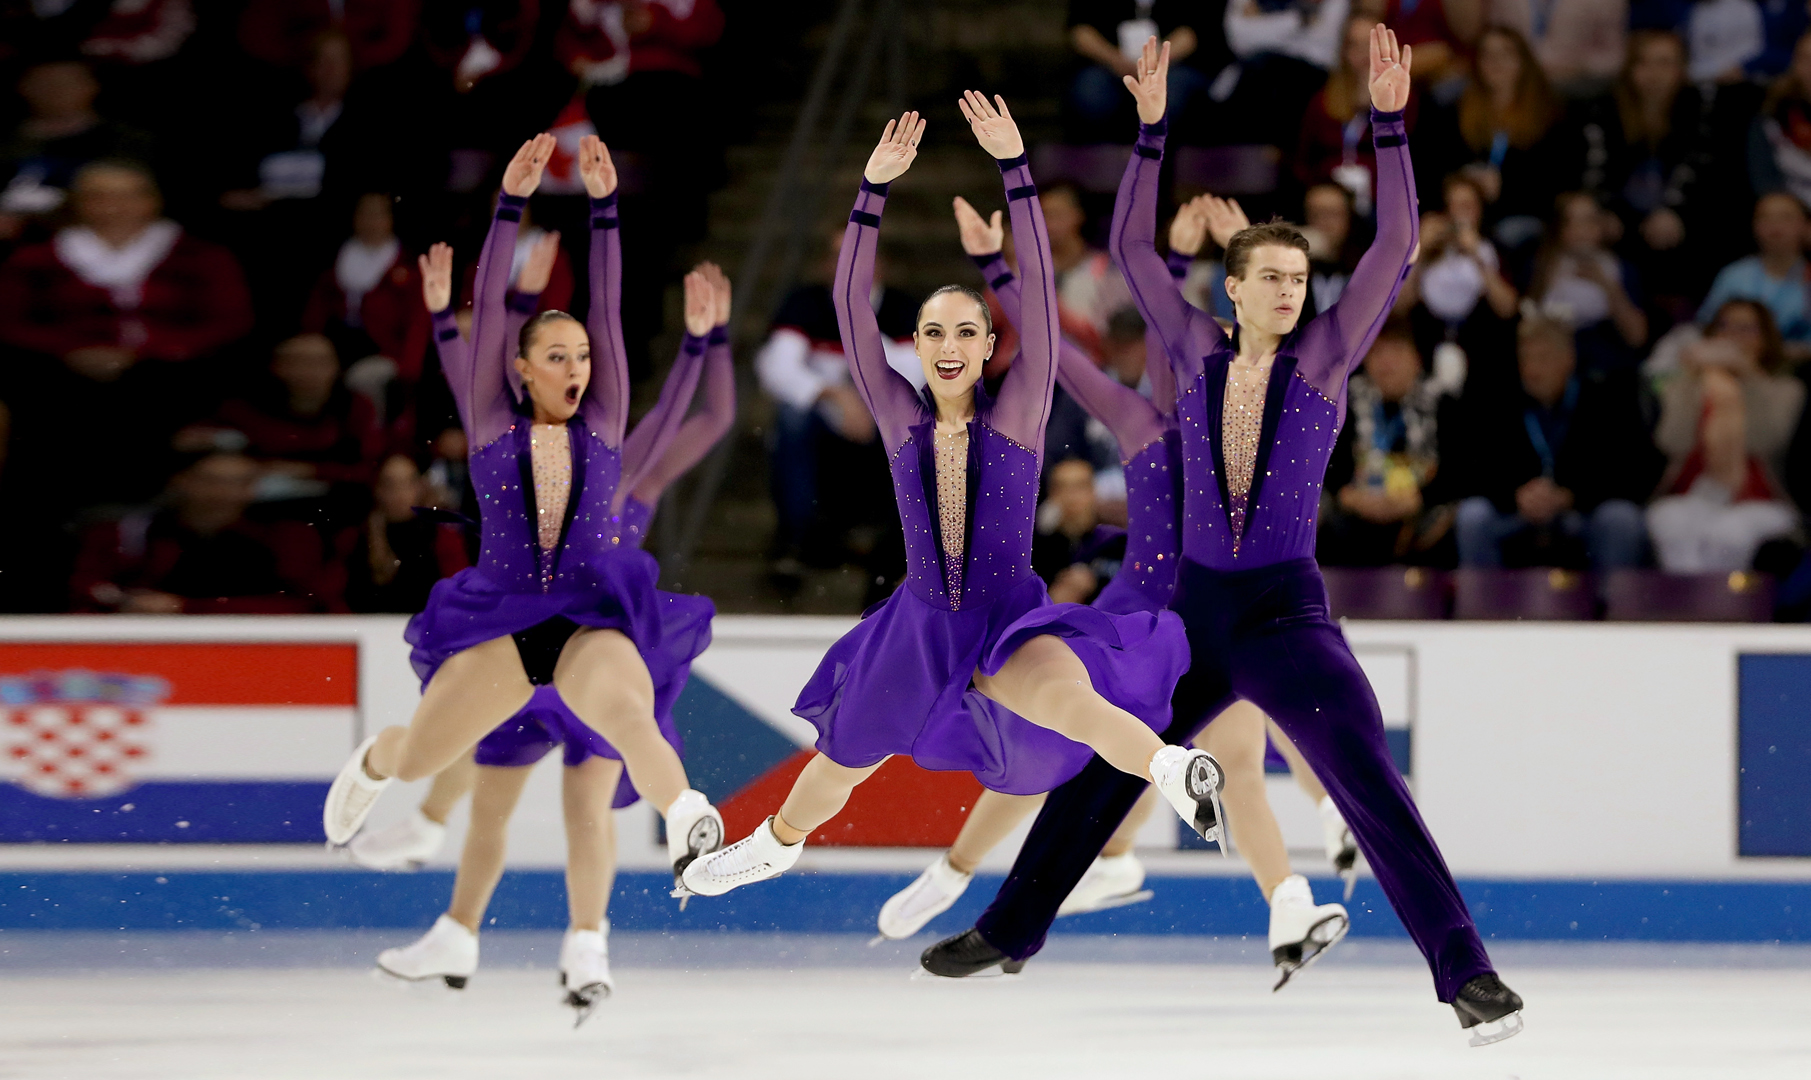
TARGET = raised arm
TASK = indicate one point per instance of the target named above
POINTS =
(455, 354)
(1133, 241)
(487, 407)
(525, 299)
(1023, 407)
(1335, 342)
(656, 431)
(707, 426)
(606, 404)
(888, 395)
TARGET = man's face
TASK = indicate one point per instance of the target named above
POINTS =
(115, 201)
(1779, 225)
(1072, 489)
(1545, 363)
(1269, 296)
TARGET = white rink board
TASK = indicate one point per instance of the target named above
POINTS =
(1540, 750)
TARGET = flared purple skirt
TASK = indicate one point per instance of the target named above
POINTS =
(899, 683)
(613, 591)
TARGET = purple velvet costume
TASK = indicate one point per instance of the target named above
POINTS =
(900, 682)
(1253, 599)
(597, 576)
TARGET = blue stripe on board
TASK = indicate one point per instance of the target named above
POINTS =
(846, 903)
(1774, 722)
(726, 746)
(171, 812)
(1399, 740)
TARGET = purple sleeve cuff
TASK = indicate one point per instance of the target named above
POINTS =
(1387, 117)
(509, 207)
(523, 303)
(608, 202)
(693, 344)
(877, 189)
(445, 320)
(982, 262)
(719, 335)
(1179, 264)
(1011, 163)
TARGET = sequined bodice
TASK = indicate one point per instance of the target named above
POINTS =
(994, 490)
(1147, 575)
(951, 455)
(511, 556)
(550, 448)
(1241, 425)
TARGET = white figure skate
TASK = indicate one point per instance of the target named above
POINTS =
(585, 970)
(350, 799)
(1111, 881)
(1191, 780)
(906, 912)
(402, 846)
(694, 828)
(448, 952)
(1300, 931)
(756, 857)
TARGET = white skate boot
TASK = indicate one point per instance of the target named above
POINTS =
(585, 970)
(448, 952)
(1112, 881)
(694, 828)
(1299, 931)
(1191, 780)
(756, 857)
(402, 846)
(350, 799)
(923, 900)
(1342, 850)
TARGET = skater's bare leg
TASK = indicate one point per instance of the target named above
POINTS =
(819, 794)
(994, 817)
(472, 693)
(481, 863)
(1236, 739)
(1047, 684)
(450, 785)
(1298, 765)
(586, 792)
(605, 683)
(1126, 836)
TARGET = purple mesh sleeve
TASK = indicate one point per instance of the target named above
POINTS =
(889, 396)
(704, 428)
(606, 403)
(455, 361)
(1023, 407)
(655, 432)
(1134, 422)
(1334, 343)
(485, 400)
(521, 307)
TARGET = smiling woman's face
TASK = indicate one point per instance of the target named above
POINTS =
(953, 344)
(556, 369)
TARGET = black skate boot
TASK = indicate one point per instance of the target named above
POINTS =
(965, 954)
(1494, 1010)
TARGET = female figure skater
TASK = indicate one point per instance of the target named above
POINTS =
(1049, 681)
(1147, 437)
(1259, 414)
(556, 598)
(657, 451)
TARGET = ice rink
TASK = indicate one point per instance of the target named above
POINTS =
(745, 1007)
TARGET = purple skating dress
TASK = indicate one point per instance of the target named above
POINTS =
(592, 577)
(900, 682)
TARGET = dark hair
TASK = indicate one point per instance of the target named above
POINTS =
(1773, 346)
(987, 315)
(1125, 324)
(1273, 233)
(119, 164)
(525, 339)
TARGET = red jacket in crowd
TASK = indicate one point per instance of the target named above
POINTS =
(245, 569)
(194, 303)
(345, 443)
(280, 31)
(676, 30)
(392, 314)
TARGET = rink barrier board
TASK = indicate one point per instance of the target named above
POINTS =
(848, 902)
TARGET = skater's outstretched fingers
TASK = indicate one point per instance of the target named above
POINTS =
(700, 304)
(1151, 85)
(1389, 70)
(992, 124)
(1188, 231)
(1225, 218)
(437, 277)
(897, 150)
(979, 236)
(721, 298)
(537, 269)
(523, 174)
(596, 167)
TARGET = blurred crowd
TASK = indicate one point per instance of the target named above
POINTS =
(1596, 362)
(217, 391)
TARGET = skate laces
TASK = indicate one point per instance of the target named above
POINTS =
(741, 857)
(924, 894)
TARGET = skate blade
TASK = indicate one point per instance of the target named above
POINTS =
(1110, 902)
(584, 1002)
(1496, 1031)
(1322, 936)
(988, 974)
(429, 982)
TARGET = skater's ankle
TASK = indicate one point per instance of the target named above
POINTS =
(786, 834)
(960, 864)
(436, 815)
(471, 925)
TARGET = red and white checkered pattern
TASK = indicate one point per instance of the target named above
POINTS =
(74, 749)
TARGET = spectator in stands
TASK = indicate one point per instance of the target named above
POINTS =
(1568, 460)
(1443, 33)
(279, 31)
(62, 133)
(1456, 300)
(1107, 36)
(1072, 550)
(122, 285)
(1725, 37)
(1776, 276)
(1779, 142)
(1502, 131)
(1645, 150)
(1072, 433)
(200, 555)
(1579, 280)
(1332, 256)
(1335, 145)
(369, 304)
(1580, 43)
(1390, 502)
(314, 438)
(1726, 424)
(1284, 52)
(1783, 22)
(391, 561)
(475, 41)
(1089, 288)
(823, 438)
